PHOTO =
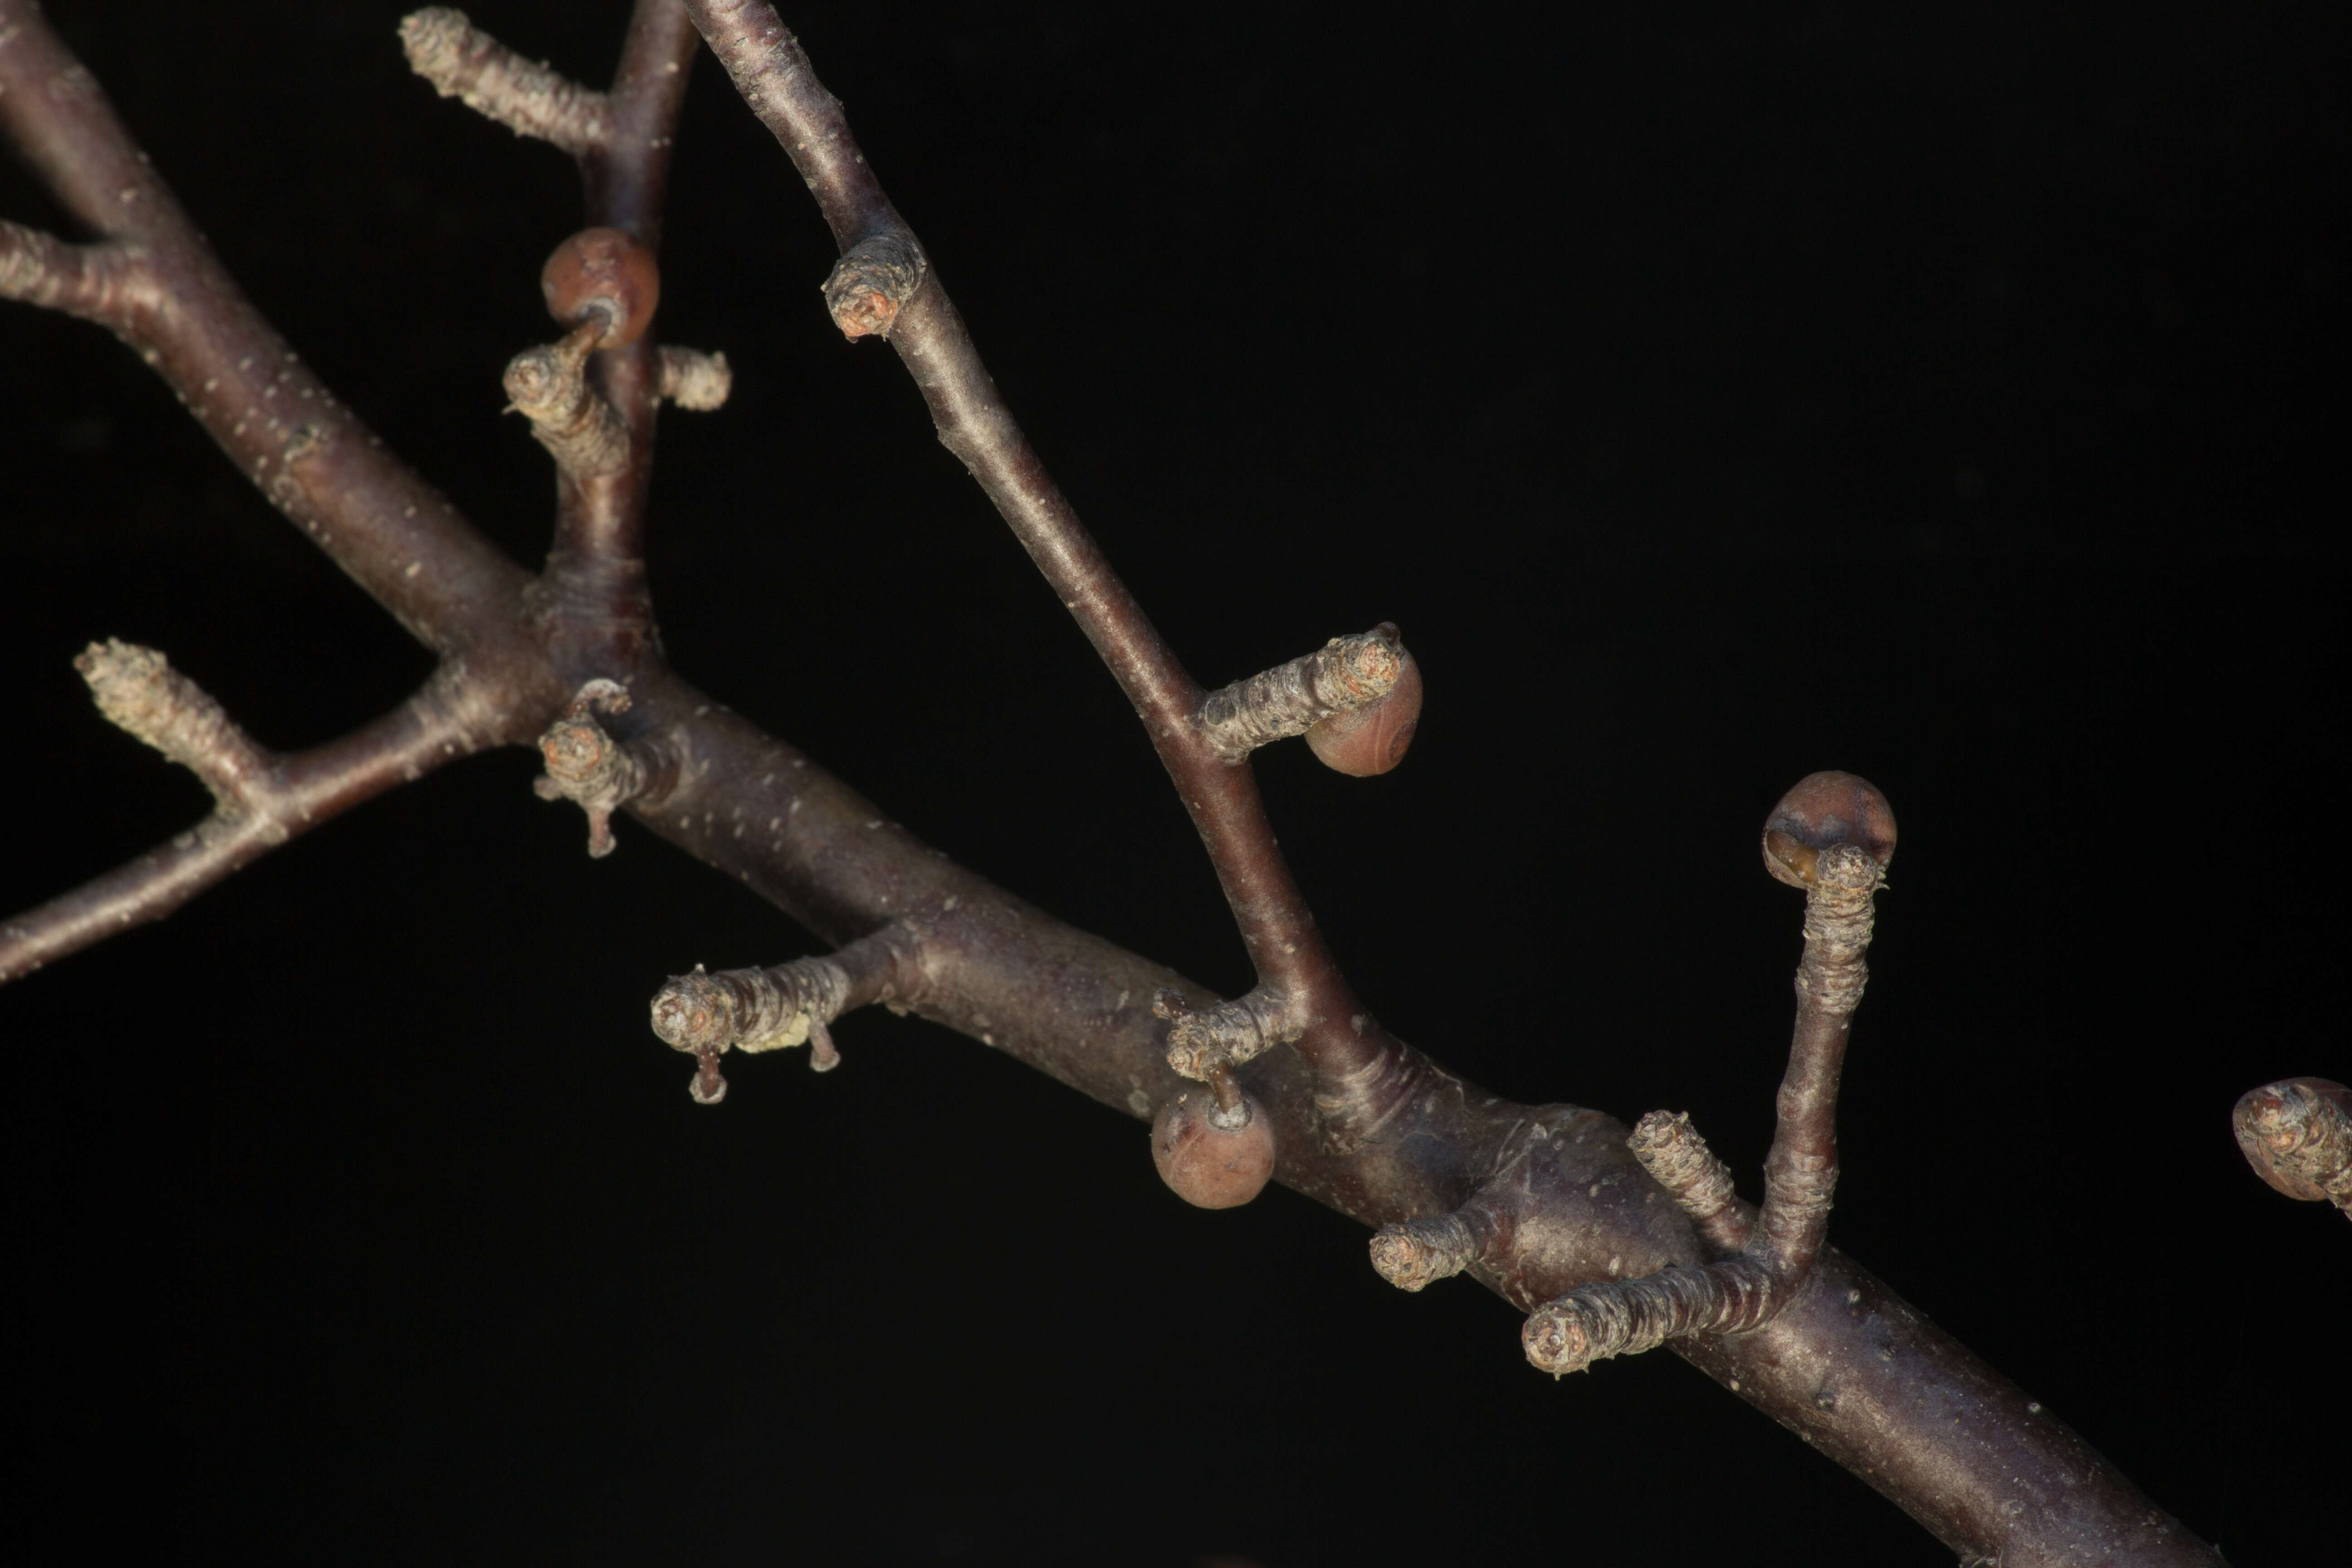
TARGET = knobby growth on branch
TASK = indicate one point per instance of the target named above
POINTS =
(1613, 1243)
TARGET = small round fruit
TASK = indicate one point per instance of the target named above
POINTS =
(603, 271)
(1371, 739)
(1822, 811)
(2293, 1131)
(1208, 1165)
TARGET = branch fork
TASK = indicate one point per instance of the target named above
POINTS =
(1832, 836)
(883, 286)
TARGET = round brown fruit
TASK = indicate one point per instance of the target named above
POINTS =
(1822, 811)
(1207, 1165)
(2279, 1122)
(603, 271)
(1371, 739)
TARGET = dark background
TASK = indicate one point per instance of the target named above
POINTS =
(1712, 397)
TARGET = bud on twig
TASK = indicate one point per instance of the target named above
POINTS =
(872, 283)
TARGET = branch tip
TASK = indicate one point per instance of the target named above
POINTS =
(706, 1015)
(1345, 676)
(694, 380)
(1205, 1041)
(140, 693)
(1415, 1253)
(464, 62)
(1678, 1159)
(1626, 1316)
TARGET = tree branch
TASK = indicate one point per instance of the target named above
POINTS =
(596, 562)
(264, 798)
(1832, 835)
(1549, 1197)
(595, 414)
(1850, 1365)
(103, 283)
(1339, 681)
(887, 280)
(397, 538)
(528, 98)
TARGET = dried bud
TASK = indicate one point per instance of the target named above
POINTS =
(1213, 1158)
(603, 271)
(1825, 810)
(1373, 739)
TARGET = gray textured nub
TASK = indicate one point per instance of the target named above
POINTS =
(1291, 699)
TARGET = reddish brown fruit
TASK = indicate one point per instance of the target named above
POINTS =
(1824, 810)
(1373, 739)
(1207, 1165)
(603, 271)
(2294, 1131)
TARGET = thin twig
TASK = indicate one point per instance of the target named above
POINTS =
(1860, 1372)
(595, 563)
(141, 695)
(104, 283)
(1414, 1254)
(1626, 1316)
(773, 75)
(263, 798)
(316, 463)
(525, 96)
(1344, 674)
(1678, 1159)
(1802, 1170)
(1227, 1033)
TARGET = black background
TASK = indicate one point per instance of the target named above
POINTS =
(1712, 396)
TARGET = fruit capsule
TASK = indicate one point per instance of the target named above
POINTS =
(605, 272)
(1371, 739)
(1207, 1164)
(1826, 809)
